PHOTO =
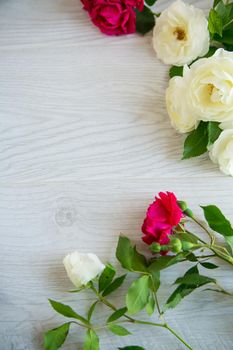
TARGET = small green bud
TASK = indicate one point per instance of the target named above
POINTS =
(183, 205)
(175, 245)
(187, 246)
(189, 213)
(155, 247)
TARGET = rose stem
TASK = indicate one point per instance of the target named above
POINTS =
(132, 320)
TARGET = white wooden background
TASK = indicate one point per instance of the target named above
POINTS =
(85, 145)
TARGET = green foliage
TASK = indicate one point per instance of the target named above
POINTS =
(194, 279)
(118, 330)
(54, 338)
(164, 262)
(154, 280)
(128, 256)
(145, 20)
(106, 277)
(176, 71)
(117, 314)
(214, 132)
(91, 341)
(209, 265)
(187, 284)
(196, 142)
(215, 23)
(150, 2)
(138, 295)
(91, 310)
(66, 311)
(219, 223)
(221, 23)
(114, 285)
(150, 306)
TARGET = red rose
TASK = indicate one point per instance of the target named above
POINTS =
(113, 17)
(87, 4)
(139, 4)
(162, 216)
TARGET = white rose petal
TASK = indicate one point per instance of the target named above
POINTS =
(82, 268)
(210, 87)
(221, 152)
(205, 92)
(181, 118)
(181, 34)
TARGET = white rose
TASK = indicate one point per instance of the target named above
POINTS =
(181, 34)
(181, 118)
(209, 83)
(221, 152)
(82, 268)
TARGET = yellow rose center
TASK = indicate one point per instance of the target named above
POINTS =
(180, 34)
(210, 88)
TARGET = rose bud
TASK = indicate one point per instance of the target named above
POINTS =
(175, 245)
(82, 268)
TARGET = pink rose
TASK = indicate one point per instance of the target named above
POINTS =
(162, 216)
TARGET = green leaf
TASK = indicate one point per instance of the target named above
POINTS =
(145, 20)
(225, 12)
(164, 262)
(91, 310)
(191, 257)
(54, 338)
(227, 37)
(133, 347)
(118, 330)
(91, 341)
(186, 236)
(114, 285)
(66, 311)
(216, 3)
(178, 294)
(196, 142)
(176, 71)
(128, 256)
(217, 221)
(138, 295)
(150, 306)
(150, 2)
(213, 132)
(117, 314)
(155, 280)
(215, 23)
(106, 277)
(209, 265)
(195, 280)
(189, 282)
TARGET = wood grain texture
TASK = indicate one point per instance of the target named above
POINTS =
(85, 144)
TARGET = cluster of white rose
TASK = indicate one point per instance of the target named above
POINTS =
(205, 91)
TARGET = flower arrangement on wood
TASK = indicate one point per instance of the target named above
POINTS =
(170, 241)
(199, 97)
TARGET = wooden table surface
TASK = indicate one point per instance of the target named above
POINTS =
(85, 145)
